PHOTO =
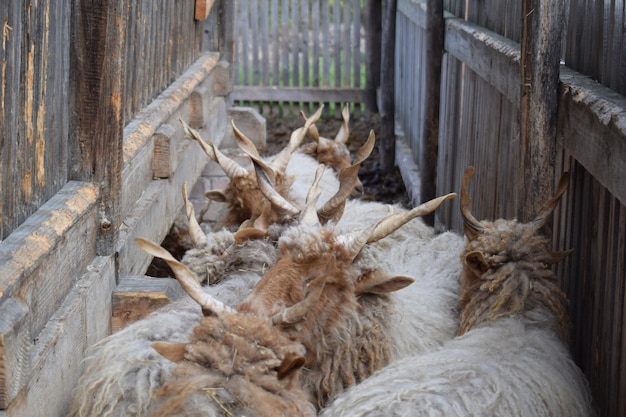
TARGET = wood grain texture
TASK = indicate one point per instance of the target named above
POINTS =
(37, 271)
(203, 8)
(137, 296)
(46, 387)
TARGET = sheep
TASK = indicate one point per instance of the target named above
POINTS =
(345, 332)
(242, 193)
(336, 320)
(332, 153)
(400, 252)
(234, 363)
(509, 357)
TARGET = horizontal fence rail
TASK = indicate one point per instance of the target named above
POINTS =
(294, 52)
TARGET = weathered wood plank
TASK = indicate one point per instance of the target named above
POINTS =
(432, 82)
(136, 297)
(55, 367)
(592, 127)
(353, 95)
(32, 259)
(493, 57)
(540, 60)
(99, 63)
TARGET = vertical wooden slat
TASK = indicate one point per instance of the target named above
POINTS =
(284, 10)
(355, 47)
(254, 31)
(387, 144)
(373, 13)
(541, 46)
(10, 59)
(432, 82)
(99, 65)
(315, 21)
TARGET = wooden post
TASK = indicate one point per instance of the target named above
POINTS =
(387, 144)
(542, 24)
(98, 62)
(373, 31)
(430, 134)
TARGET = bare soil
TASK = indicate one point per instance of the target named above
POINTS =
(377, 187)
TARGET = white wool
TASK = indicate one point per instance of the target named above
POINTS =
(425, 311)
(303, 168)
(122, 370)
(509, 367)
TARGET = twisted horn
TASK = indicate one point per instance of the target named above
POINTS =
(333, 209)
(297, 312)
(266, 187)
(187, 279)
(243, 142)
(393, 222)
(309, 215)
(472, 226)
(344, 130)
(549, 207)
(282, 159)
(364, 151)
(230, 167)
(195, 231)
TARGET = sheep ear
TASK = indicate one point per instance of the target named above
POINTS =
(175, 352)
(476, 262)
(289, 365)
(377, 282)
(216, 195)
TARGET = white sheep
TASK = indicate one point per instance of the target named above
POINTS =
(510, 357)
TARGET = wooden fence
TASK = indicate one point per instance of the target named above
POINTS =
(306, 52)
(479, 125)
(91, 152)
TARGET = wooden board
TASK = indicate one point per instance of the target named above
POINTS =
(57, 351)
(136, 297)
(32, 261)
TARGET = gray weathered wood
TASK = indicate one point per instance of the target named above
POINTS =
(592, 127)
(38, 265)
(100, 77)
(387, 141)
(430, 133)
(540, 60)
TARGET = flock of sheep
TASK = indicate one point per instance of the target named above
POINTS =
(310, 302)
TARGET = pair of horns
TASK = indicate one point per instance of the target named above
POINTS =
(211, 306)
(333, 208)
(187, 279)
(342, 134)
(389, 224)
(473, 227)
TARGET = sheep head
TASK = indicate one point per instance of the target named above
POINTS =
(313, 292)
(506, 266)
(333, 153)
(242, 194)
(234, 363)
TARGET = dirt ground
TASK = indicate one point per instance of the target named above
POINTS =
(387, 189)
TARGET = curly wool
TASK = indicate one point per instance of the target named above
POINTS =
(230, 369)
(223, 257)
(510, 367)
(123, 370)
(518, 278)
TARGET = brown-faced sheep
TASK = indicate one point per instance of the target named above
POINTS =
(510, 357)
